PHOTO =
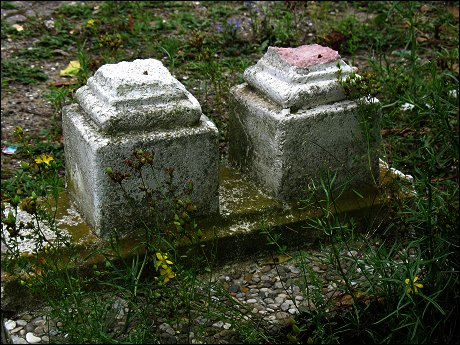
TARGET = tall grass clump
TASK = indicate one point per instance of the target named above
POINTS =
(408, 262)
(394, 276)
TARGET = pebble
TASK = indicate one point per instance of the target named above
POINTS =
(10, 324)
(32, 339)
(18, 340)
(21, 323)
(274, 293)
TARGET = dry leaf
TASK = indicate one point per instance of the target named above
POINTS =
(454, 11)
(17, 27)
(421, 39)
(71, 70)
(424, 8)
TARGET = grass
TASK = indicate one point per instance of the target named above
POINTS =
(409, 51)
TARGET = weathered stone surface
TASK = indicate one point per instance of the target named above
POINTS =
(298, 78)
(283, 149)
(192, 152)
(307, 55)
(123, 110)
(138, 95)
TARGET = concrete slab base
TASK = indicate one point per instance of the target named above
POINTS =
(237, 231)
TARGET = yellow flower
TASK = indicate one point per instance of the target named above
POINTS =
(167, 272)
(90, 23)
(44, 158)
(162, 260)
(162, 264)
(412, 287)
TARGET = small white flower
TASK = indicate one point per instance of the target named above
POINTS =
(407, 106)
(453, 93)
(49, 23)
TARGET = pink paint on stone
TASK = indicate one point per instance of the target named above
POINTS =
(307, 55)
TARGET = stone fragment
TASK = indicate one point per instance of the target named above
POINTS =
(18, 340)
(21, 322)
(16, 329)
(32, 339)
(10, 324)
(17, 18)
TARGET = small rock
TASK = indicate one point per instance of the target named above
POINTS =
(35, 321)
(293, 311)
(284, 306)
(27, 317)
(16, 329)
(17, 340)
(32, 339)
(266, 268)
(265, 278)
(167, 338)
(17, 18)
(10, 324)
(167, 329)
(218, 324)
(235, 275)
(269, 301)
(251, 301)
(248, 277)
(295, 270)
(39, 330)
(234, 288)
(244, 289)
(54, 332)
(317, 269)
(281, 315)
(21, 322)
(323, 267)
(259, 307)
(279, 300)
(267, 284)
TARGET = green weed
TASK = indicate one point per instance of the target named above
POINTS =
(21, 72)
(413, 60)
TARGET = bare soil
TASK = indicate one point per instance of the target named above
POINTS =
(26, 105)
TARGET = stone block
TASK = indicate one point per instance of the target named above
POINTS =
(133, 106)
(291, 121)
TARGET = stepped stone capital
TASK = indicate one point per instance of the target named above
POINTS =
(299, 78)
(138, 95)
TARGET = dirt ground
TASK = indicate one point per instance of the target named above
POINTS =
(25, 105)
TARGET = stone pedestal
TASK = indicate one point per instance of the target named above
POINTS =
(133, 106)
(291, 121)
